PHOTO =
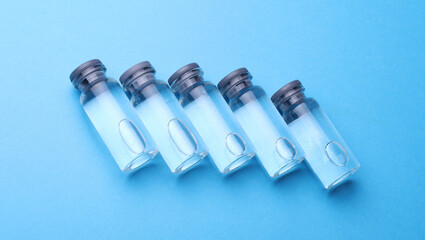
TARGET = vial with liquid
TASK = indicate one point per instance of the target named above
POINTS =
(228, 145)
(179, 143)
(326, 151)
(112, 115)
(277, 150)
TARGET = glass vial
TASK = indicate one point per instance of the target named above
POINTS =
(113, 116)
(277, 149)
(229, 147)
(326, 152)
(178, 141)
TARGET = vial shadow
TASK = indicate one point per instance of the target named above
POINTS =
(144, 171)
(247, 171)
(147, 173)
(288, 177)
(346, 191)
(201, 169)
(291, 180)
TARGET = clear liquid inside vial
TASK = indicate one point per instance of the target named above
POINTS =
(178, 142)
(118, 125)
(228, 146)
(327, 154)
(267, 131)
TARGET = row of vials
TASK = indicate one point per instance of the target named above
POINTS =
(189, 118)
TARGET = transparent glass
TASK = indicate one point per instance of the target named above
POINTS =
(118, 125)
(326, 152)
(277, 150)
(229, 146)
(179, 143)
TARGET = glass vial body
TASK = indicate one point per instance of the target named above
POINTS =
(277, 150)
(326, 151)
(113, 116)
(178, 141)
(229, 147)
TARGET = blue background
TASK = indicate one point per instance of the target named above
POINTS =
(362, 60)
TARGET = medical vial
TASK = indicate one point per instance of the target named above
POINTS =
(178, 141)
(228, 145)
(277, 150)
(112, 115)
(326, 152)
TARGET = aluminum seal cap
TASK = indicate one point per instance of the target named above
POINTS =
(88, 74)
(235, 82)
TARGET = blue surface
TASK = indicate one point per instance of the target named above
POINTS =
(363, 61)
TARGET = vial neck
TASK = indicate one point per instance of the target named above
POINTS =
(137, 83)
(234, 84)
(238, 87)
(290, 102)
(288, 96)
(187, 82)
